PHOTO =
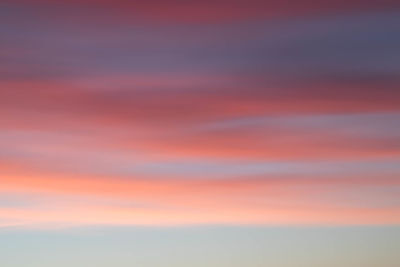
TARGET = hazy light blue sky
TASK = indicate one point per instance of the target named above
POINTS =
(202, 246)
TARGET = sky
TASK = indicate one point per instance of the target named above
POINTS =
(200, 133)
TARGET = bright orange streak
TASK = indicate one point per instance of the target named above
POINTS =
(183, 201)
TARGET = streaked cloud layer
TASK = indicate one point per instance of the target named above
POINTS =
(204, 112)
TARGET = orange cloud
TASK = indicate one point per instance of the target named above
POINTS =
(166, 201)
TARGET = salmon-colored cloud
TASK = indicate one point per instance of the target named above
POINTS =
(165, 201)
(103, 215)
(179, 124)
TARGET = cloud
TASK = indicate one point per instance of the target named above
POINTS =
(164, 112)
(206, 11)
(165, 201)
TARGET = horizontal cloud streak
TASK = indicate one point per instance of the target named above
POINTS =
(250, 201)
(218, 11)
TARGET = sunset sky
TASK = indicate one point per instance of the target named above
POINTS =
(224, 133)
